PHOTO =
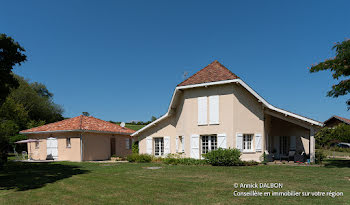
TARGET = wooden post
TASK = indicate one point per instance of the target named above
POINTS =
(312, 145)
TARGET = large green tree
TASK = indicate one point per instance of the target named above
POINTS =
(11, 54)
(340, 68)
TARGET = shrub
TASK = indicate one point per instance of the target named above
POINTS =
(175, 159)
(223, 157)
(319, 156)
(250, 163)
(139, 158)
(135, 148)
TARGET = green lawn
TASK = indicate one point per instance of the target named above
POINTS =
(134, 127)
(95, 183)
(331, 153)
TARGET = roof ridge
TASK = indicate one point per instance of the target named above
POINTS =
(214, 64)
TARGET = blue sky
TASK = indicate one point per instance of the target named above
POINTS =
(121, 60)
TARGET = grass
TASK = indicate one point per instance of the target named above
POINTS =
(129, 183)
(331, 153)
(133, 127)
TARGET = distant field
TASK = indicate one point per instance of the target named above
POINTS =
(133, 127)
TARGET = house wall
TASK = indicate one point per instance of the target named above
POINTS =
(64, 153)
(239, 112)
(96, 146)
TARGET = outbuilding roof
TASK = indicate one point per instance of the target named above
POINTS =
(214, 72)
(81, 123)
(345, 120)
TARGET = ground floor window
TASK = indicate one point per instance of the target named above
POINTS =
(247, 142)
(68, 145)
(158, 146)
(209, 142)
(181, 145)
(37, 145)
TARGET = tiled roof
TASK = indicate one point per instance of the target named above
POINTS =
(83, 123)
(345, 120)
(214, 72)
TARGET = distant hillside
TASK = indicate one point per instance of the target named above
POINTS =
(133, 127)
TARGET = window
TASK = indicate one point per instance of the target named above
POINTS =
(68, 145)
(37, 145)
(209, 142)
(158, 146)
(213, 110)
(247, 142)
(180, 145)
(128, 143)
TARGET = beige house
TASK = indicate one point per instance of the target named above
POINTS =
(213, 109)
(79, 139)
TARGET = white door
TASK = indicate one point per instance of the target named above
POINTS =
(52, 147)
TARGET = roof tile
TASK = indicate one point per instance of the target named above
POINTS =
(81, 123)
(214, 72)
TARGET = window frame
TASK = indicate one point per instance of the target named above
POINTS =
(248, 142)
(68, 145)
(37, 145)
(158, 142)
(212, 143)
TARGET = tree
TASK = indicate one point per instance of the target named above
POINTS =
(340, 68)
(11, 54)
(86, 114)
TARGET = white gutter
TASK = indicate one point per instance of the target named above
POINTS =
(262, 100)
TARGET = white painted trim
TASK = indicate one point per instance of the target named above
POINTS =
(260, 99)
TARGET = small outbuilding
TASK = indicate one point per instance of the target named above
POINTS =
(336, 120)
(81, 138)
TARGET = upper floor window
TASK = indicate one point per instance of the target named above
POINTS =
(209, 142)
(213, 110)
(159, 146)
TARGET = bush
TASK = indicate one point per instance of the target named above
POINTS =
(319, 156)
(175, 159)
(250, 163)
(139, 158)
(223, 157)
(135, 148)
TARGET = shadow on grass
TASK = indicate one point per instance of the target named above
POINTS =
(24, 176)
(339, 163)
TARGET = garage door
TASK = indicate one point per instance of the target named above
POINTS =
(52, 147)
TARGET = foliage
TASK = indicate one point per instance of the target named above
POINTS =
(319, 156)
(223, 157)
(249, 163)
(328, 136)
(340, 68)
(11, 54)
(86, 114)
(139, 158)
(174, 159)
(135, 147)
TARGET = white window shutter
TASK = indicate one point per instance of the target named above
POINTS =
(214, 109)
(127, 146)
(166, 145)
(202, 111)
(239, 141)
(258, 142)
(149, 145)
(195, 146)
(177, 144)
(183, 144)
(292, 143)
(222, 141)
